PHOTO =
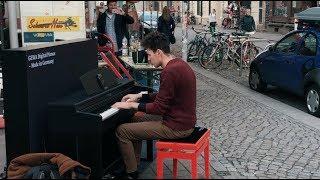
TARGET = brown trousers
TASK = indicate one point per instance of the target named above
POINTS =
(143, 127)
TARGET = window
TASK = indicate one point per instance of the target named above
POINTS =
(199, 8)
(209, 7)
(309, 46)
(260, 12)
(268, 13)
(290, 43)
(280, 8)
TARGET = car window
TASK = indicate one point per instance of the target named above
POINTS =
(290, 43)
(308, 47)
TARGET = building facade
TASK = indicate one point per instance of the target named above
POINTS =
(201, 10)
(275, 16)
(281, 14)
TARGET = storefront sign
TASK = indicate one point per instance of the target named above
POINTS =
(53, 23)
(30, 37)
(42, 21)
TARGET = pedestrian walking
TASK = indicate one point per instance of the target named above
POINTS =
(212, 21)
(112, 23)
(247, 23)
(166, 24)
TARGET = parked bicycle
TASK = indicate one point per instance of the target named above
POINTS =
(201, 40)
(228, 49)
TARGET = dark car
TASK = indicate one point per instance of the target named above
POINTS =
(293, 64)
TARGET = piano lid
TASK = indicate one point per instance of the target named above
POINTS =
(80, 97)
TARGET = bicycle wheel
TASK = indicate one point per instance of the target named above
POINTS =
(211, 57)
(234, 55)
(192, 52)
(201, 48)
(252, 52)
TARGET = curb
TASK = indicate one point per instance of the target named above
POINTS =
(2, 122)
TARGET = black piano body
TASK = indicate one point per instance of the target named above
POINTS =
(76, 129)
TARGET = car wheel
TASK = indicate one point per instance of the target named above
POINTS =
(312, 100)
(255, 80)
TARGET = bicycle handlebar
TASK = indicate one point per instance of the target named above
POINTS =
(198, 32)
(221, 34)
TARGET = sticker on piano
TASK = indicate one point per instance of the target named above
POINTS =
(41, 59)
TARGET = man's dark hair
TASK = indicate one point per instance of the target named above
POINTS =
(108, 2)
(156, 40)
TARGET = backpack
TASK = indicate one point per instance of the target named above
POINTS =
(43, 171)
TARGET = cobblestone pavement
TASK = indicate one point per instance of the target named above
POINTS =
(250, 139)
(254, 140)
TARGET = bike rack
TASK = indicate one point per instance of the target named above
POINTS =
(253, 40)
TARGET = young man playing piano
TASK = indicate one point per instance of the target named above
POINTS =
(168, 114)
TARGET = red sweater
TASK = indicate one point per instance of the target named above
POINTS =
(176, 99)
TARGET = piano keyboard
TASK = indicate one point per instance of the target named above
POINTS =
(108, 113)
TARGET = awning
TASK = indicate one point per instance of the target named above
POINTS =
(309, 14)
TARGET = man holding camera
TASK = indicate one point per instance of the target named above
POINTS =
(113, 23)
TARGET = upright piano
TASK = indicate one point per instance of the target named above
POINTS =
(49, 108)
(82, 126)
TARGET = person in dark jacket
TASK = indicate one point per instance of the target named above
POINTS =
(247, 23)
(125, 27)
(112, 22)
(166, 24)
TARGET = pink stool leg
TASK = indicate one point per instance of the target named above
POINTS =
(175, 168)
(159, 168)
(207, 159)
(194, 164)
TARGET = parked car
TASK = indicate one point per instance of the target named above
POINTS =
(293, 64)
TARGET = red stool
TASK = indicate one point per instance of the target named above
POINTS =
(186, 148)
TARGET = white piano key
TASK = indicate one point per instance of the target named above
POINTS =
(108, 113)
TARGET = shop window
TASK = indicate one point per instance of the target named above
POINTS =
(280, 8)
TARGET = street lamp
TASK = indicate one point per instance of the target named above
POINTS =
(184, 31)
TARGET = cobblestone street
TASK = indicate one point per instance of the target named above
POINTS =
(254, 140)
(250, 139)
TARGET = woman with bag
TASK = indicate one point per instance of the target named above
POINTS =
(166, 25)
